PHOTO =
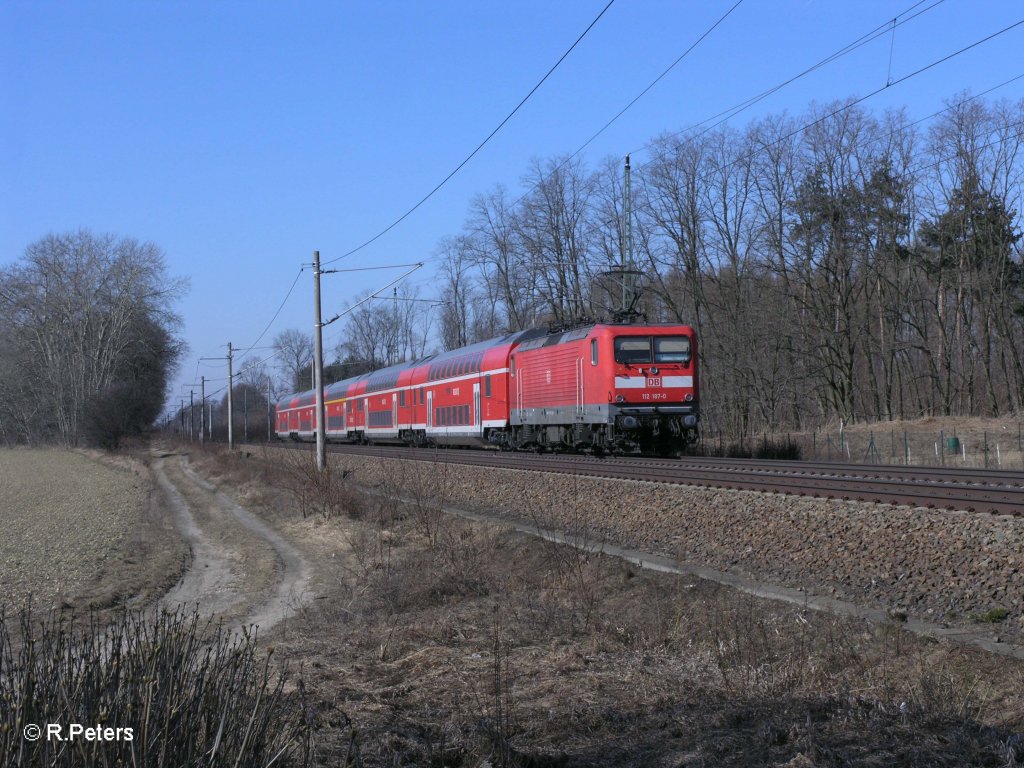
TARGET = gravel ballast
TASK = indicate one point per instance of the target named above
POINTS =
(936, 565)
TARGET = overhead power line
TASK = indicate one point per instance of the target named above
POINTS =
(479, 146)
(1002, 139)
(736, 109)
(267, 328)
(869, 37)
(658, 79)
(855, 102)
(731, 111)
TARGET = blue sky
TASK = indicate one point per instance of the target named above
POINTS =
(241, 136)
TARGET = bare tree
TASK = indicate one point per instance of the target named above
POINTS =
(507, 278)
(294, 350)
(385, 330)
(832, 268)
(81, 310)
(555, 232)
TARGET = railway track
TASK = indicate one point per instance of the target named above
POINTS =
(971, 490)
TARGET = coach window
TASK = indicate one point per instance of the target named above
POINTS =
(632, 350)
(593, 351)
(487, 385)
(401, 398)
(672, 349)
(512, 366)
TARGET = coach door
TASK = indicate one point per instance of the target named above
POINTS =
(394, 410)
(430, 408)
(476, 405)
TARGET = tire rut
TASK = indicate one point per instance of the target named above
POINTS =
(241, 569)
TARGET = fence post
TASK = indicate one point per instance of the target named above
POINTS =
(942, 447)
(906, 449)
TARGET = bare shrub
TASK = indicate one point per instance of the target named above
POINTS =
(498, 706)
(191, 693)
(322, 493)
(570, 567)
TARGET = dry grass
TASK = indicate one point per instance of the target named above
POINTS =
(459, 644)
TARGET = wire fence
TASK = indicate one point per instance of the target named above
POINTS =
(1001, 447)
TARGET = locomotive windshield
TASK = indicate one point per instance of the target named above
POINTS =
(631, 350)
(671, 349)
(637, 350)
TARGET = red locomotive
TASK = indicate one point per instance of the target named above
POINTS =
(601, 387)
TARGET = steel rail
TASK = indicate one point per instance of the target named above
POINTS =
(994, 491)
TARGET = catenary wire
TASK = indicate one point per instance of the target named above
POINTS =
(278, 312)
(751, 101)
(847, 49)
(480, 146)
(854, 102)
(658, 79)
(731, 112)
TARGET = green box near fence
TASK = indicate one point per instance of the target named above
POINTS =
(953, 444)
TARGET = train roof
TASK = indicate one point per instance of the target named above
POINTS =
(387, 378)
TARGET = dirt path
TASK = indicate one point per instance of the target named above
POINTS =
(241, 570)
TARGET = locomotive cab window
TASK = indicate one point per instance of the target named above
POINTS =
(632, 350)
(593, 351)
(672, 349)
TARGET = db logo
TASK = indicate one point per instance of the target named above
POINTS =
(654, 382)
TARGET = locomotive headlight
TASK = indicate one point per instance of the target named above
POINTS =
(620, 399)
(654, 371)
(689, 397)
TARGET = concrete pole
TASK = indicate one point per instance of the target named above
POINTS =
(269, 423)
(245, 414)
(202, 410)
(191, 413)
(318, 367)
(231, 413)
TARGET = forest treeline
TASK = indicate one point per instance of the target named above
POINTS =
(87, 339)
(865, 267)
